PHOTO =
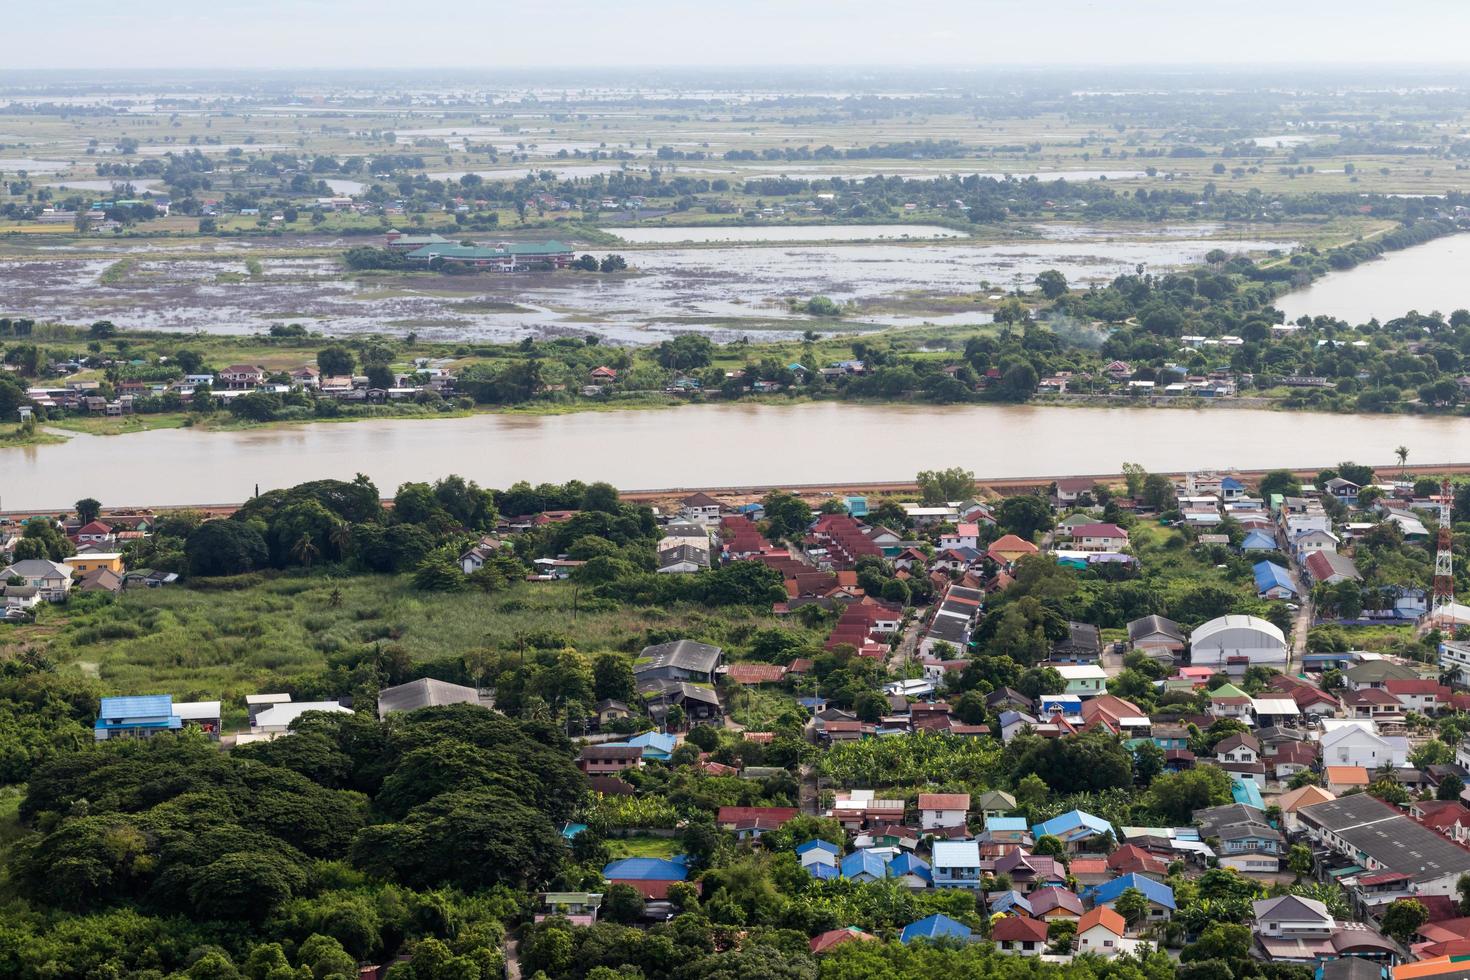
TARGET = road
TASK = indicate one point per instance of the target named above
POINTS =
(1299, 629)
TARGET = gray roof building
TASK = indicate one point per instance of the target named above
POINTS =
(426, 692)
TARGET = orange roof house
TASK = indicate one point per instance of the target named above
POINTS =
(1009, 548)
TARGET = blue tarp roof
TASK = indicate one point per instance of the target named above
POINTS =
(1154, 891)
(646, 869)
(1246, 791)
(1270, 575)
(935, 927)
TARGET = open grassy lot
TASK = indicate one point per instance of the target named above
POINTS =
(225, 642)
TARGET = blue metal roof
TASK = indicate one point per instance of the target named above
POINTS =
(142, 706)
(654, 744)
(1154, 891)
(865, 861)
(907, 864)
(819, 845)
(1069, 823)
(822, 872)
(1257, 540)
(1005, 823)
(1269, 575)
(646, 869)
(936, 926)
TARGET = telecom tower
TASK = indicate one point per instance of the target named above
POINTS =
(1444, 562)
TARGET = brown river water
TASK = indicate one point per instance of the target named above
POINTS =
(707, 446)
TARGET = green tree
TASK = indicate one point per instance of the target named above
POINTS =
(940, 486)
(623, 903)
(1132, 905)
(1024, 515)
(225, 547)
(88, 510)
(1403, 918)
(1299, 860)
(1053, 284)
(612, 677)
(335, 361)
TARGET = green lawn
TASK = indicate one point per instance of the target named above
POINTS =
(643, 847)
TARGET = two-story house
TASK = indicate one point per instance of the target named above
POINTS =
(50, 579)
(1356, 744)
(1099, 537)
(700, 508)
(941, 810)
(956, 864)
(240, 377)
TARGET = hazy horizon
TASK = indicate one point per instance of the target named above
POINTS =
(170, 35)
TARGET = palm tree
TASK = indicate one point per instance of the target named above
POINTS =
(1403, 454)
(305, 549)
(340, 538)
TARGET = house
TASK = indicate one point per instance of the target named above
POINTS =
(1247, 842)
(1258, 540)
(1355, 743)
(683, 559)
(1018, 934)
(1344, 490)
(602, 375)
(135, 717)
(239, 377)
(1293, 917)
(1273, 581)
(700, 508)
(50, 579)
(994, 803)
(1229, 701)
(827, 941)
(97, 581)
(1341, 779)
(651, 877)
(1155, 634)
(268, 721)
(1007, 549)
(1099, 537)
(578, 908)
(656, 746)
(1072, 828)
(910, 871)
(818, 853)
(1232, 643)
(1132, 859)
(426, 692)
(95, 533)
(1329, 568)
(865, 864)
(1295, 800)
(956, 864)
(603, 760)
(1241, 747)
(1376, 673)
(1160, 896)
(1081, 645)
(1083, 680)
(963, 536)
(937, 810)
(937, 926)
(1425, 695)
(699, 702)
(1053, 903)
(678, 660)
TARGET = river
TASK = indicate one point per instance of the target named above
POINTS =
(705, 445)
(1425, 277)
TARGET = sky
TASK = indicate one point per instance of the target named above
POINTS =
(490, 34)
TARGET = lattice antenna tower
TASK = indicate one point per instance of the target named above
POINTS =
(1444, 562)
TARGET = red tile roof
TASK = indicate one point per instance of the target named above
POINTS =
(1018, 929)
(944, 801)
(739, 814)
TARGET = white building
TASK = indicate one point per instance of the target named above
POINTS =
(1355, 743)
(1231, 644)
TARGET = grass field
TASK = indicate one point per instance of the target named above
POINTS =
(223, 643)
(643, 847)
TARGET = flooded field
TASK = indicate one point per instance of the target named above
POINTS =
(1426, 277)
(723, 291)
(781, 233)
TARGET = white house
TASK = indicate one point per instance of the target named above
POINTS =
(963, 536)
(940, 810)
(1100, 931)
(956, 864)
(1355, 743)
(1231, 644)
(700, 508)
